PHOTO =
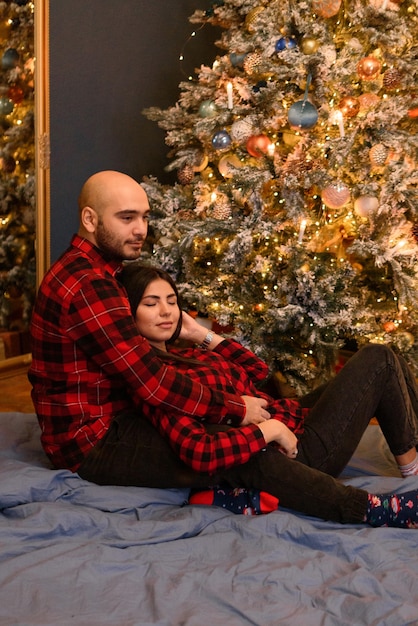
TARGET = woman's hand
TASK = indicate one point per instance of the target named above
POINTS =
(255, 410)
(273, 430)
(195, 332)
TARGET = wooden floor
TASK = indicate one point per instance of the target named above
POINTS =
(15, 391)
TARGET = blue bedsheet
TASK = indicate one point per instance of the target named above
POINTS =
(76, 553)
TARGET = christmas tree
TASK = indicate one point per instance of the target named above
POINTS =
(293, 220)
(17, 158)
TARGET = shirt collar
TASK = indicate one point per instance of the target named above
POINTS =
(96, 255)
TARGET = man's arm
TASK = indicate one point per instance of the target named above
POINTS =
(99, 321)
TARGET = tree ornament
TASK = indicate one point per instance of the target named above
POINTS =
(392, 78)
(368, 101)
(186, 174)
(349, 106)
(227, 165)
(309, 45)
(5, 27)
(221, 140)
(8, 164)
(326, 8)
(10, 59)
(364, 205)
(369, 68)
(6, 106)
(241, 130)
(285, 43)
(221, 207)
(303, 114)
(15, 94)
(389, 327)
(378, 154)
(335, 195)
(237, 58)
(386, 5)
(208, 108)
(252, 62)
(251, 18)
(258, 145)
(201, 162)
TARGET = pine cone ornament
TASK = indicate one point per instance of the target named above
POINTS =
(252, 62)
(378, 154)
(222, 208)
(186, 174)
(392, 78)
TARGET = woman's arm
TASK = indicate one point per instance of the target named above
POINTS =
(211, 453)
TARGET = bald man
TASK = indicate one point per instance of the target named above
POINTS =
(91, 371)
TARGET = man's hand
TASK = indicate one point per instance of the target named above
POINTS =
(255, 412)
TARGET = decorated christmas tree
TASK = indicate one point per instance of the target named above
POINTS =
(294, 219)
(17, 169)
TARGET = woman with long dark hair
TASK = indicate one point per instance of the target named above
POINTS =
(305, 447)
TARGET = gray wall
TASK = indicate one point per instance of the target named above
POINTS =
(109, 59)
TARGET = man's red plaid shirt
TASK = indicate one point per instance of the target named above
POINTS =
(89, 363)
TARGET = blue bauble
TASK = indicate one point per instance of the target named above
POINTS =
(10, 59)
(237, 58)
(208, 109)
(285, 43)
(262, 84)
(221, 140)
(302, 114)
(6, 106)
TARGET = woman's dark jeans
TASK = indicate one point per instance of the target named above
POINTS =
(374, 382)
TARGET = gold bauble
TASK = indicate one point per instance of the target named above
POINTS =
(252, 17)
(309, 45)
(5, 27)
(201, 163)
(227, 165)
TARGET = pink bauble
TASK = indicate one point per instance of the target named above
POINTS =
(326, 8)
(335, 195)
(364, 205)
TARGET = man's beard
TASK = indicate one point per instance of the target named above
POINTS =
(111, 246)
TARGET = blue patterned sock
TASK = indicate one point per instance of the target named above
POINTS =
(400, 511)
(239, 500)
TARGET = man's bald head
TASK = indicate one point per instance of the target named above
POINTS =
(114, 212)
(102, 188)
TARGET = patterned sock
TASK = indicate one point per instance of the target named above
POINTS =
(411, 469)
(240, 501)
(400, 511)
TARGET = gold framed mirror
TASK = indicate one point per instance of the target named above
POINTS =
(42, 162)
(42, 138)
